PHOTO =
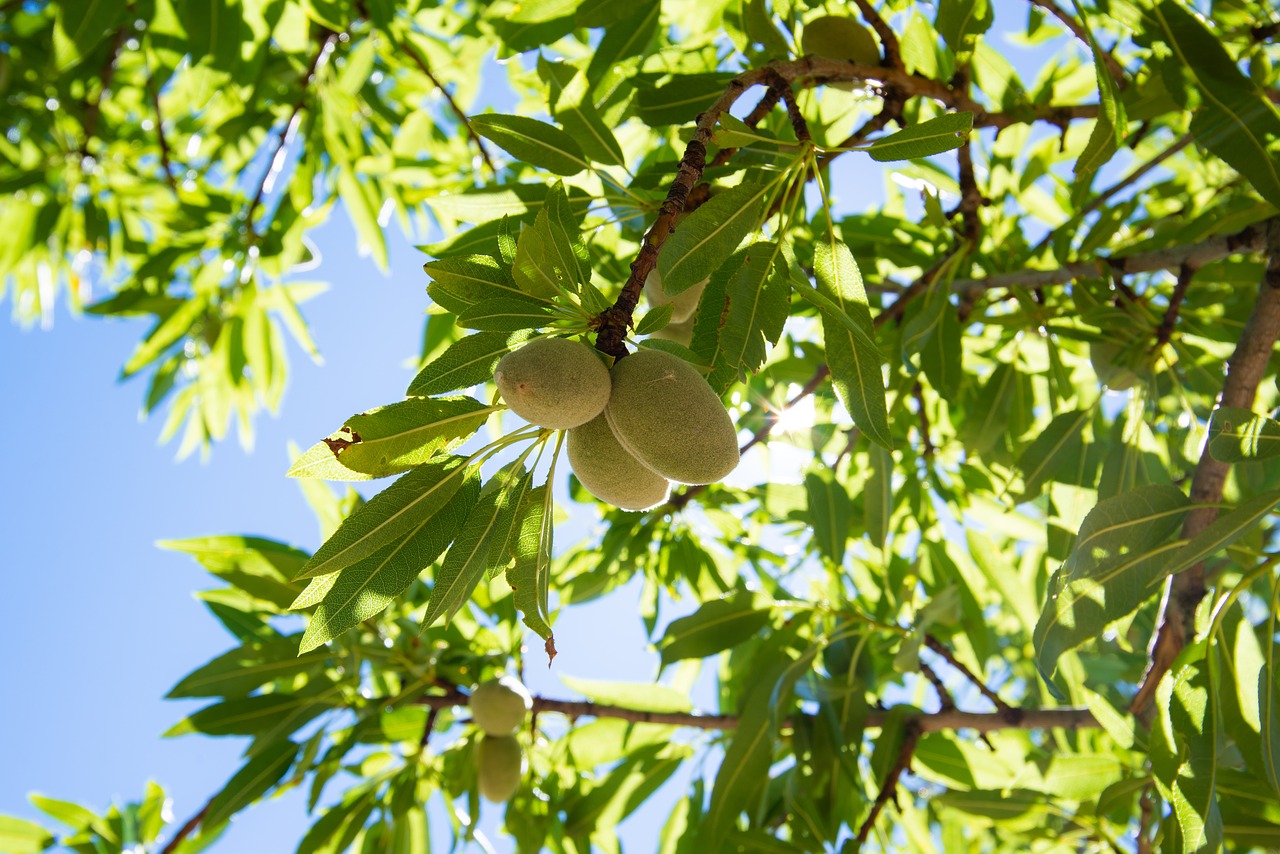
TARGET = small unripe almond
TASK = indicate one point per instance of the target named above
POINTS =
(838, 37)
(670, 419)
(684, 304)
(499, 706)
(553, 383)
(609, 472)
(499, 767)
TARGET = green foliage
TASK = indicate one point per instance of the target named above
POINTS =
(986, 423)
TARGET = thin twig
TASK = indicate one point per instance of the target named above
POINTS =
(953, 719)
(425, 68)
(166, 162)
(1249, 239)
(1165, 330)
(1114, 68)
(427, 728)
(910, 737)
(927, 448)
(285, 134)
(187, 829)
(1147, 808)
(1124, 183)
(945, 701)
(940, 649)
(888, 38)
(93, 109)
(1245, 369)
(612, 324)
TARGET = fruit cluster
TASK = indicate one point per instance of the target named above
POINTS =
(499, 707)
(651, 421)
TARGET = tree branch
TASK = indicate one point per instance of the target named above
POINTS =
(1245, 369)
(166, 162)
(1064, 718)
(1165, 330)
(425, 68)
(1114, 68)
(186, 829)
(888, 38)
(940, 649)
(612, 324)
(285, 134)
(1123, 184)
(910, 737)
(93, 109)
(1249, 239)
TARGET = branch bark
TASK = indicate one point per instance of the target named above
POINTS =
(1249, 239)
(1245, 369)
(951, 719)
(187, 829)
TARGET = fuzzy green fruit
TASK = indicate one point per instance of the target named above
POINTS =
(500, 765)
(838, 37)
(1111, 365)
(670, 419)
(681, 333)
(609, 472)
(553, 383)
(684, 304)
(499, 706)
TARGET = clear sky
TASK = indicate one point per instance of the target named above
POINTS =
(101, 624)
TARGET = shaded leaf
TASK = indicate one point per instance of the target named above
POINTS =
(708, 236)
(944, 133)
(466, 363)
(536, 143)
(1238, 435)
(714, 627)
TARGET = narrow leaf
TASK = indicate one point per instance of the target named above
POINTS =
(536, 143)
(944, 133)
(714, 627)
(251, 782)
(391, 514)
(466, 363)
(1238, 435)
(708, 236)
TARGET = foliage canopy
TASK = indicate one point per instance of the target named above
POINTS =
(1024, 396)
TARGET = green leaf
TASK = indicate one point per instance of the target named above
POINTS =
(1056, 453)
(534, 142)
(646, 697)
(1238, 435)
(467, 362)
(18, 836)
(759, 296)
(960, 19)
(251, 782)
(262, 568)
(830, 514)
(852, 355)
(362, 204)
(1184, 755)
(392, 439)
(1221, 533)
(504, 315)
(71, 814)
(714, 627)
(472, 279)
(655, 319)
(251, 715)
(579, 117)
(1123, 543)
(368, 586)
(680, 100)
(877, 497)
(244, 669)
(545, 265)
(1232, 116)
(537, 11)
(403, 507)
(945, 133)
(1108, 129)
(469, 558)
(745, 769)
(529, 576)
(165, 334)
(708, 236)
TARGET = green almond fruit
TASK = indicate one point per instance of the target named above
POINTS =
(499, 767)
(553, 383)
(609, 472)
(837, 37)
(684, 303)
(667, 416)
(499, 706)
